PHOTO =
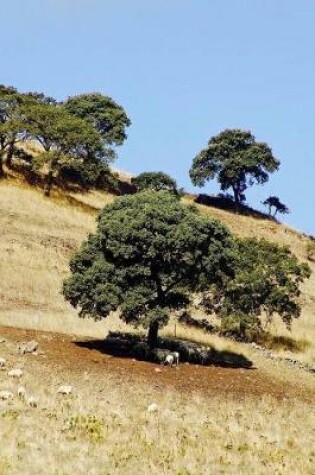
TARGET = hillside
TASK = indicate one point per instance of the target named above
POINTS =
(107, 424)
(38, 236)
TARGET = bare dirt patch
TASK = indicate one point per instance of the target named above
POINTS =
(63, 356)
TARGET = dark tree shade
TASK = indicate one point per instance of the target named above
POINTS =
(148, 255)
(155, 181)
(236, 159)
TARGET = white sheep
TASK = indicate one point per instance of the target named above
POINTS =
(15, 373)
(175, 354)
(2, 362)
(66, 390)
(32, 401)
(5, 395)
(172, 359)
(153, 407)
(169, 360)
(21, 392)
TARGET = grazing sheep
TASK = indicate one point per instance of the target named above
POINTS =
(141, 350)
(5, 395)
(15, 373)
(21, 392)
(169, 360)
(2, 362)
(158, 355)
(203, 356)
(65, 390)
(175, 354)
(153, 407)
(28, 347)
(32, 401)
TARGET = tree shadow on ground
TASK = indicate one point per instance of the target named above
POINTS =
(126, 345)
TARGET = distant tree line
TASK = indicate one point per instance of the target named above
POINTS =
(77, 136)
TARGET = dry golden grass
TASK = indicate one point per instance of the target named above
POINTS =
(105, 428)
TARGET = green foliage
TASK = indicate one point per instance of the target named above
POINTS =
(84, 426)
(155, 181)
(13, 128)
(274, 202)
(64, 138)
(56, 129)
(266, 281)
(107, 117)
(148, 255)
(236, 159)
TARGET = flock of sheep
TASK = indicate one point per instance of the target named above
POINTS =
(17, 373)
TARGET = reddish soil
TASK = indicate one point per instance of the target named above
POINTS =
(64, 355)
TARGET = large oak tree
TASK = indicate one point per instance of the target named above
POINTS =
(149, 255)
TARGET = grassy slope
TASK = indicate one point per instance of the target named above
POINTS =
(190, 434)
(38, 235)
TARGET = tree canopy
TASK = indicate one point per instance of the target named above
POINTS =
(77, 137)
(266, 282)
(149, 254)
(106, 116)
(12, 125)
(236, 159)
(61, 135)
(155, 181)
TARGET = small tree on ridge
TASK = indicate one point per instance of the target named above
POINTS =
(236, 159)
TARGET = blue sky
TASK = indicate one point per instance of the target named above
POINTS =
(184, 70)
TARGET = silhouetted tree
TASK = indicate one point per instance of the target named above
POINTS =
(274, 202)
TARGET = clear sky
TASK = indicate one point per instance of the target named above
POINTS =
(184, 70)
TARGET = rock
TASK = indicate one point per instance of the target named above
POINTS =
(2, 340)
(15, 373)
(153, 407)
(66, 390)
(28, 347)
(5, 395)
(158, 370)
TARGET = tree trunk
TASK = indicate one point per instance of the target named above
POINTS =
(153, 334)
(1, 166)
(48, 184)
(10, 155)
(2, 155)
(236, 196)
